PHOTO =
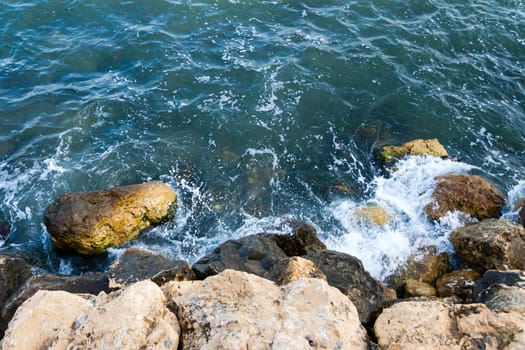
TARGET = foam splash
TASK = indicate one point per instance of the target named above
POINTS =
(403, 196)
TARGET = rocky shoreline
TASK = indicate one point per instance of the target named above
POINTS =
(280, 291)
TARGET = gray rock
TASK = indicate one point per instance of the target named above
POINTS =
(501, 290)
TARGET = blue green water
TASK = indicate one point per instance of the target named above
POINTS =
(253, 110)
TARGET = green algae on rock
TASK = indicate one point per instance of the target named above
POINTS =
(90, 222)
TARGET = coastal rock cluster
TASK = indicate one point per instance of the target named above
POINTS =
(279, 291)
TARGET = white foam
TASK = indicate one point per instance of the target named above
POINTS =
(403, 196)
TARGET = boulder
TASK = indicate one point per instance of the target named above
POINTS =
(258, 253)
(459, 284)
(415, 288)
(375, 215)
(4, 229)
(89, 283)
(132, 318)
(237, 310)
(347, 274)
(501, 290)
(491, 244)
(137, 265)
(470, 194)
(430, 147)
(291, 269)
(439, 325)
(90, 222)
(13, 273)
(425, 268)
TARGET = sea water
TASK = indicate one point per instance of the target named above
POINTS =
(254, 112)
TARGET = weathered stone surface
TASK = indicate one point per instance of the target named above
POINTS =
(90, 222)
(470, 194)
(13, 273)
(258, 253)
(415, 288)
(347, 274)
(132, 318)
(438, 325)
(290, 270)
(43, 321)
(520, 207)
(458, 284)
(501, 290)
(426, 268)
(430, 147)
(137, 265)
(89, 283)
(491, 244)
(373, 215)
(236, 310)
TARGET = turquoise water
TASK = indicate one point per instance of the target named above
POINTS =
(253, 111)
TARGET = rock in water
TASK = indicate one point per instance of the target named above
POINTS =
(491, 244)
(470, 194)
(90, 222)
(237, 310)
(430, 147)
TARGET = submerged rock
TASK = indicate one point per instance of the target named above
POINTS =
(491, 244)
(236, 310)
(137, 265)
(90, 222)
(373, 215)
(470, 194)
(430, 147)
(4, 229)
(439, 325)
(134, 318)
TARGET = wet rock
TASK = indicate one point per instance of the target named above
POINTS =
(491, 244)
(459, 284)
(414, 288)
(137, 265)
(472, 195)
(430, 147)
(132, 318)
(255, 254)
(426, 268)
(501, 290)
(13, 273)
(258, 253)
(290, 270)
(347, 274)
(236, 310)
(89, 283)
(90, 222)
(440, 325)
(4, 229)
(373, 215)
(520, 208)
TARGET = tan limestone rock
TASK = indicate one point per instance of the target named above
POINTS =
(430, 147)
(414, 288)
(237, 310)
(90, 222)
(373, 215)
(290, 270)
(438, 325)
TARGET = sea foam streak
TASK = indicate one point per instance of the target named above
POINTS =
(403, 196)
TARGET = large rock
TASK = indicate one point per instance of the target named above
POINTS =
(347, 274)
(13, 273)
(89, 283)
(137, 265)
(290, 270)
(458, 284)
(438, 325)
(90, 222)
(236, 310)
(501, 290)
(374, 215)
(133, 318)
(258, 253)
(491, 244)
(430, 147)
(470, 194)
